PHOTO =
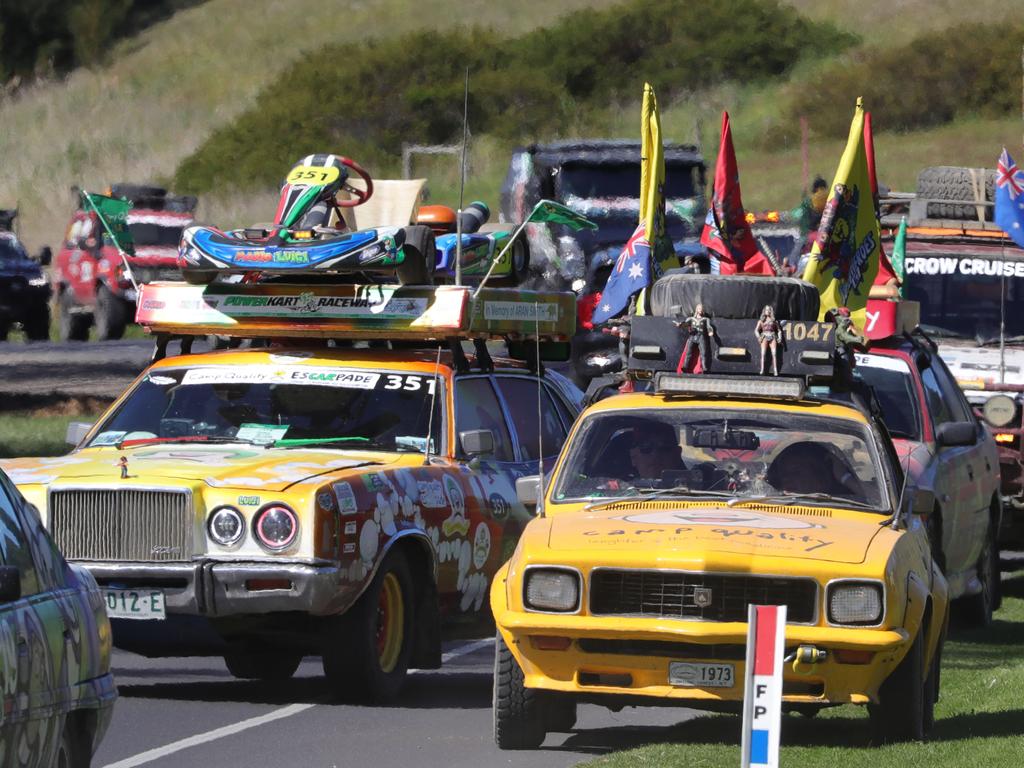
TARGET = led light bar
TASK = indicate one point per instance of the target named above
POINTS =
(775, 387)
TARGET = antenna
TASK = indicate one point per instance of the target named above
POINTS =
(433, 403)
(462, 182)
(540, 420)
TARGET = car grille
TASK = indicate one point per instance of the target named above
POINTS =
(675, 595)
(122, 524)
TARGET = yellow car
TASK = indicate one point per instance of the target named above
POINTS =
(669, 511)
(265, 504)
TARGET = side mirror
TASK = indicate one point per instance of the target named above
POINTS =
(956, 433)
(10, 584)
(528, 490)
(923, 360)
(77, 430)
(45, 256)
(477, 442)
(924, 502)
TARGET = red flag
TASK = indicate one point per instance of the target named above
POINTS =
(726, 231)
(885, 270)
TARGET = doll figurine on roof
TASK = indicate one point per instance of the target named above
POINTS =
(769, 333)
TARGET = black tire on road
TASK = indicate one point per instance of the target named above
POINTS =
(977, 609)
(72, 750)
(367, 650)
(110, 314)
(71, 325)
(905, 707)
(267, 665)
(420, 256)
(518, 711)
(946, 182)
(37, 322)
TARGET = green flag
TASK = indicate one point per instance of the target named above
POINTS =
(899, 251)
(113, 215)
(556, 213)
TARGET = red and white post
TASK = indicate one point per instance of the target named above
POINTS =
(762, 691)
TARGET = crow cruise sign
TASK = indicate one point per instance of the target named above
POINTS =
(762, 694)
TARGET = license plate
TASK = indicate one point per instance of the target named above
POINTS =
(690, 675)
(135, 603)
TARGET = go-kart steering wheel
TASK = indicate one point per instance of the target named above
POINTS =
(361, 196)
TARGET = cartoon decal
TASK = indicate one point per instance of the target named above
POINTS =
(346, 498)
(481, 545)
(432, 494)
(456, 524)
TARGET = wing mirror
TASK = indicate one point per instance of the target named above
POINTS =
(10, 584)
(528, 490)
(45, 256)
(77, 430)
(923, 502)
(956, 433)
(477, 442)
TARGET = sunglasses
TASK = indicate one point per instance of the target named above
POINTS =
(647, 447)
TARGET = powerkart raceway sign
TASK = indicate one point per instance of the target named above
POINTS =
(762, 690)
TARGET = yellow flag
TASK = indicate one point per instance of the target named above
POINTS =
(652, 182)
(845, 255)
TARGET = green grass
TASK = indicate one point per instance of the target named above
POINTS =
(979, 719)
(31, 434)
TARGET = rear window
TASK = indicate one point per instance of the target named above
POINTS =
(893, 383)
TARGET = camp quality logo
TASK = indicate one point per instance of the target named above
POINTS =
(720, 518)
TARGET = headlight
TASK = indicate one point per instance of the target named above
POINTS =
(551, 589)
(226, 526)
(855, 603)
(276, 527)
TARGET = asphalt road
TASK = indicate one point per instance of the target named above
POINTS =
(186, 712)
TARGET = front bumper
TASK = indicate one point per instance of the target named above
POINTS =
(219, 588)
(590, 666)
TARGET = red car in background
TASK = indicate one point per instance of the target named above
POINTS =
(947, 450)
(89, 279)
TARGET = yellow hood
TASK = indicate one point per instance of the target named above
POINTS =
(663, 532)
(219, 466)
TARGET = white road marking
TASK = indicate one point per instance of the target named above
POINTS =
(229, 730)
(202, 738)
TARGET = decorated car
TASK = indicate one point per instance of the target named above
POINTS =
(674, 507)
(58, 691)
(348, 502)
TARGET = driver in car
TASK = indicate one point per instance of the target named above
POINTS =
(654, 450)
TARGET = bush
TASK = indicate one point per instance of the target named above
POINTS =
(366, 101)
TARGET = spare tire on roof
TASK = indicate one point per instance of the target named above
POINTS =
(947, 182)
(738, 296)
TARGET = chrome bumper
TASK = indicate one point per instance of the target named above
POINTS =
(218, 588)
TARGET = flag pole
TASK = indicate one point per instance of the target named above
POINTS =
(113, 237)
(496, 259)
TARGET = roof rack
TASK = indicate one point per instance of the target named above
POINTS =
(277, 310)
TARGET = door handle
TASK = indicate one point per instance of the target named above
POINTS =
(970, 472)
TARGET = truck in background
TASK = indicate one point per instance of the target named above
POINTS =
(89, 279)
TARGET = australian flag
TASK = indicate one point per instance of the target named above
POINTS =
(1010, 198)
(632, 271)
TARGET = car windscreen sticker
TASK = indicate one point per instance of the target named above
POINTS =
(883, 361)
(346, 378)
(162, 381)
(261, 433)
(108, 438)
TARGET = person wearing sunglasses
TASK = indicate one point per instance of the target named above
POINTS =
(654, 450)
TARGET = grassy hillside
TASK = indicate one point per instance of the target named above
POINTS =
(167, 89)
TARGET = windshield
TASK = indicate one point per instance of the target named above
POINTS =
(681, 452)
(283, 405)
(894, 388)
(155, 234)
(957, 301)
(620, 180)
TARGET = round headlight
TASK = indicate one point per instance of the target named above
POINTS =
(999, 410)
(551, 589)
(226, 526)
(855, 603)
(276, 526)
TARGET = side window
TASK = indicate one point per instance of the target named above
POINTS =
(14, 549)
(568, 417)
(937, 401)
(958, 405)
(521, 395)
(477, 407)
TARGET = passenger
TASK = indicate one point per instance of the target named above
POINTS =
(814, 467)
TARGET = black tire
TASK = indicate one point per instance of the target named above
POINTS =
(354, 663)
(110, 314)
(956, 183)
(726, 296)
(37, 322)
(977, 609)
(72, 750)
(199, 276)
(269, 665)
(518, 711)
(520, 259)
(71, 325)
(137, 192)
(420, 256)
(902, 711)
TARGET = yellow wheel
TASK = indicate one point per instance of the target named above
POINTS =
(390, 623)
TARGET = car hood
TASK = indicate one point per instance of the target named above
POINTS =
(969, 362)
(698, 532)
(219, 466)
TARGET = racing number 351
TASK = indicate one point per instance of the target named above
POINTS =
(410, 383)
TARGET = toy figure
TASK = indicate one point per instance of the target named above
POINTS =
(846, 331)
(769, 333)
(699, 329)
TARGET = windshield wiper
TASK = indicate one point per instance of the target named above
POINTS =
(182, 439)
(784, 498)
(646, 494)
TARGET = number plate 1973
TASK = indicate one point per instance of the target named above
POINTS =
(692, 675)
(135, 603)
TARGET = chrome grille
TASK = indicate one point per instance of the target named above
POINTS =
(674, 595)
(122, 524)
